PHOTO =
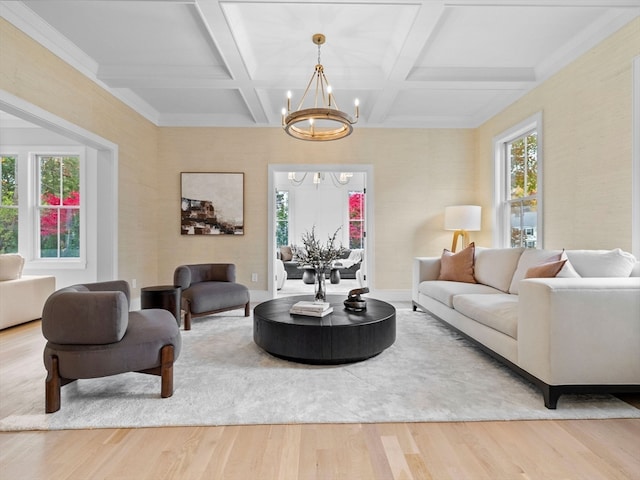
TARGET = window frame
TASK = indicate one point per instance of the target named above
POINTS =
(361, 220)
(28, 204)
(288, 221)
(501, 196)
(39, 208)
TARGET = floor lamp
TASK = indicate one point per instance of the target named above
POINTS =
(462, 219)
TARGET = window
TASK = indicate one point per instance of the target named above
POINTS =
(522, 189)
(282, 218)
(8, 205)
(356, 220)
(59, 206)
(41, 208)
(518, 200)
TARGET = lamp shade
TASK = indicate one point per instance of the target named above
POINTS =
(462, 217)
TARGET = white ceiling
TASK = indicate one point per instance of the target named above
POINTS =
(415, 63)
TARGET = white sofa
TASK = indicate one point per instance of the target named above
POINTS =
(576, 333)
(21, 296)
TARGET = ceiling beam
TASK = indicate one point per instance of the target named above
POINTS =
(214, 19)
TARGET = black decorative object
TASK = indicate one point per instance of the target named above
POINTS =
(354, 302)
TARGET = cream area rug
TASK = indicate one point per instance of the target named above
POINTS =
(223, 378)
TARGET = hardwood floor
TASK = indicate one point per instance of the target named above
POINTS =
(569, 449)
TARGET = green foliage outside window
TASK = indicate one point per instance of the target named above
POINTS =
(8, 205)
(282, 218)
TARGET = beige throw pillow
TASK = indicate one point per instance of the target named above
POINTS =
(546, 270)
(286, 255)
(11, 265)
(458, 267)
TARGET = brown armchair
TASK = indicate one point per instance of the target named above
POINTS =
(210, 288)
(91, 333)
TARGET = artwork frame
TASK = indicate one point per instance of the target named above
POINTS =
(212, 203)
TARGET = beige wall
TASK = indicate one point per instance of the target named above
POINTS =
(416, 174)
(587, 120)
(31, 72)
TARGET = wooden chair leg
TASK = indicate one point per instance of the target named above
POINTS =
(52, 388)
(247, 309)
(166, 371)
(187, 319)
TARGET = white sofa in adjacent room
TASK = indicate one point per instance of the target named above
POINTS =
(21, 296)
(577, 332)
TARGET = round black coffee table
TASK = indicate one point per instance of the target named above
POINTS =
(340, 337)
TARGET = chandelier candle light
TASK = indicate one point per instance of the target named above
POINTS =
(324, 121)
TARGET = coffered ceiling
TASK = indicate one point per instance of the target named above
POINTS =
(414, 63)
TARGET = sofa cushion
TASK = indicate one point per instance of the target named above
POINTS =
(354, 257)
(11, 265)
(531, 257)
(495, 266)
(458, 267)
(210, 296)
(499, 312)
(602, 263)
(444, 291)
(567, 271)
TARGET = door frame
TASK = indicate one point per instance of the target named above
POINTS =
(369, 242)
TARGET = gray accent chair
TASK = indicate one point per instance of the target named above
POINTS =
(209, 288)
(91, 333)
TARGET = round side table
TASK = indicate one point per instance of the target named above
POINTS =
(166, 297)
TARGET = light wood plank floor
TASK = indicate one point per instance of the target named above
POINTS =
(576, 449)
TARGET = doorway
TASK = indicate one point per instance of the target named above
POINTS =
(318, 195)
(105, 255)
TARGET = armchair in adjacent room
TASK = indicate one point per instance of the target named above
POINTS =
(209, 288)
(91, 333)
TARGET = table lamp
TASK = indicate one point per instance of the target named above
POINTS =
(462, 219)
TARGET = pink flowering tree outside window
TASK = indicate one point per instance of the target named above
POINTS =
(356, 220)
(59, 207)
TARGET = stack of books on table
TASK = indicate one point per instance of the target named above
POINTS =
(311, 309)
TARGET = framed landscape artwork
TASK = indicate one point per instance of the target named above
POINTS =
(212, 203)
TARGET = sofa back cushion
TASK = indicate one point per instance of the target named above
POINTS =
(78, 315)
(602, 263)
(11, 265)
(186, 275)
(495, 266)
(531, 257)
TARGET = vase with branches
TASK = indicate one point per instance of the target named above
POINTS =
(319, 256)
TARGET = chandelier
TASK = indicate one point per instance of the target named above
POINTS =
(324, 121)
(343, 178)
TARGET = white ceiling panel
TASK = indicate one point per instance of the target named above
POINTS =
(416, 63)
(497, 37)
(132, 33)
(359, 36)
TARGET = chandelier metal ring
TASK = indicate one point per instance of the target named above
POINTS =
(321, 122)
